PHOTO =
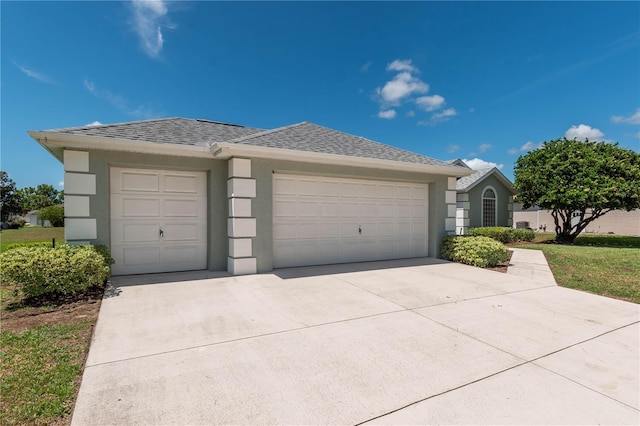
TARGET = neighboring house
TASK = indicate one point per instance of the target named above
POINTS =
(33, 219)
(619, 222)
(178, 194)
(484, 198)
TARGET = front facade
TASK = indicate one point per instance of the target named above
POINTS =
(484, 198)
(178, 194)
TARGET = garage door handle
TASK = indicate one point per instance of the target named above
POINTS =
(161, 233)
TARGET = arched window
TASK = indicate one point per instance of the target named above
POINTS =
(489, 210)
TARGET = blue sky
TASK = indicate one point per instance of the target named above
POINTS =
(481, 81)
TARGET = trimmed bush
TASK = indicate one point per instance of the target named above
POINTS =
(54, 214)
(475, 251)
(105, 253)
(39, 271)
(502, 234)
(498, 233)
(29, 244)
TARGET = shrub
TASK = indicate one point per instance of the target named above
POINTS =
(498, 233)
(475, 251)
(29, 244)
(54, 214)
(65, 269)
(103, 251)
(503, 234)
(523, 234)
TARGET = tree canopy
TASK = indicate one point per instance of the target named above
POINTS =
(578, 181)
(41, 196)
(9, 199)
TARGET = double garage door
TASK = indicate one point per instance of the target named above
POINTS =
(324, 220)
(158, 221)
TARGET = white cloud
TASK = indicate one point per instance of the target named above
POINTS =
(477, 164)
(94, 123)
(582, 132)
(388, 114)
(512, 151)
(453, 148)
(30, 72)
(430, 103)
(444, 115)
(401, 86)
(530, 146)
(636, 135)
(149, 16)
(632, 119)
(120, 102)
(411, 113)
(484, 147)
(402, 65)
(61, 184)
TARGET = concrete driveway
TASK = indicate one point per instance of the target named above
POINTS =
(417, 341)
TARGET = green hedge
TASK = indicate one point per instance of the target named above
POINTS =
(502, 234)
(12, 246)
(38, 271)
(475, 251)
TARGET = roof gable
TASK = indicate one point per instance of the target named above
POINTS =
(466, 183)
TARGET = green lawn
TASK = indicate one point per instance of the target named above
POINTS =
(608, 265)
(41, 367)
(29, 234)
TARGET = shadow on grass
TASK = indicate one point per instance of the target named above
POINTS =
(609, 241)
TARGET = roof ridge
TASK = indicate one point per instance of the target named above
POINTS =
(123, 123)
(264, 132)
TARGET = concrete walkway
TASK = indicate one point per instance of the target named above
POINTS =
(530, 264)
(411, 341)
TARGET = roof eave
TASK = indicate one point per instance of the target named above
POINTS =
(494, 171)
(224, 150)
(56, 142)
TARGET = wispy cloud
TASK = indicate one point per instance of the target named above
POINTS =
(30, 72)
(636, 135)
(120, 102)
(388, 114)
(149, 17)
(582, 132)
(477, 164)
(402, 65)
(411, 113)
(61, 184)
(430, 103)
(527, 146)
(484, 147)
(632, 119)
(445, 115)
(366, 66)
(453, 148)
(94, 123)
(512, 151)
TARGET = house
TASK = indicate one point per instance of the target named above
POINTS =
(484, 198)
(179, 194)
(619, 222)
(32, 218)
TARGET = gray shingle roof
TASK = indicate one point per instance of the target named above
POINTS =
(311, 137)
(465, 182)
(181, 131)
(305, 136)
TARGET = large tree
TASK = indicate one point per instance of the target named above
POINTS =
(9, 198)
(42, 196)
(578, 181)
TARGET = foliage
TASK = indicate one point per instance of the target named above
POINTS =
(475, 251)
(104, 251)
(65, 269)
(502, 234)
(40, 368)
(578, 182)
(9, 198)
(54, 214)
(42, 196)
(13, 246)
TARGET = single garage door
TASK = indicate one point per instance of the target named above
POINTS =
(158, 221)
(324, 220)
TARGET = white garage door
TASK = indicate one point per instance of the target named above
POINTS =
(158, 221)
(323, 220)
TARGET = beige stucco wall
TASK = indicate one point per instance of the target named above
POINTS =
(618, 222)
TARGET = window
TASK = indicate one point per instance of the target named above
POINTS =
(489, 201)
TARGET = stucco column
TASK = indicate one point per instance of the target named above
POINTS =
(241, 226)
(462, 213)
(450, 201)
(79, 184)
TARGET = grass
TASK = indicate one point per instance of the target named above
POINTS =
(30, 234)
(42, 347)
(608, 265)
(41, 367)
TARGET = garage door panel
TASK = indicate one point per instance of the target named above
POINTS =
(143, 202)
(139, 182)
(357, 220)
